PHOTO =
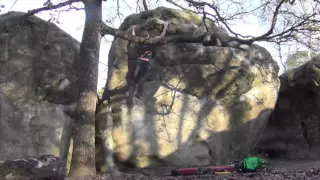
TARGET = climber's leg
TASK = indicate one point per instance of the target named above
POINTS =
(142, 77)
(136, 72)
(143, 69)
(136, 82)
(132, 78)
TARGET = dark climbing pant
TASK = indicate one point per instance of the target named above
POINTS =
(141, 70)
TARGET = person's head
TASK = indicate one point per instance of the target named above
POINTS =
(147, 54)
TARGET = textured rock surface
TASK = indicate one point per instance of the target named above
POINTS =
(37, 86)
(39, 168)
(293, 130)
(199, 105)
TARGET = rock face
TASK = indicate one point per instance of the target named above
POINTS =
(199, 105)
(293, 130)
(39, 168)
(37, 86)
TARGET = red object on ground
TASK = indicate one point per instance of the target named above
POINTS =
(225, 168)
(184, 171)
(204, 170)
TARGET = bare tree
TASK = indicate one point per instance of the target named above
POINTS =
(83, 156)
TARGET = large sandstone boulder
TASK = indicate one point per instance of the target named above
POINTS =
(199, 105)
(293, 130)
(37, 87)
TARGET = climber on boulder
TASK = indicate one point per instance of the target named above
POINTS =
(143, 61)
(142, 66)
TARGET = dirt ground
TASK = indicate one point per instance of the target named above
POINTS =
(277, 170)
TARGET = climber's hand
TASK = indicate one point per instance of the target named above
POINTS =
(133, 30)
(166, 24)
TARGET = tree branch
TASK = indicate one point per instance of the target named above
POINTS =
(34, 11)
(273, 22)
(219, 17)
(50, 7)
(292, 28)
(179, 6)
(185, 9)
(204, 19)
(207, 38)
(212, 36)
(145, 5)
(107, 30)
(118, 11)
(222, 20)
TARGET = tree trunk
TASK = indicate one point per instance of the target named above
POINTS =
(83, 156)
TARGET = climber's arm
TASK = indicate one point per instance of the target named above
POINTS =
(163, 33)
(121, 47)
(133, 32)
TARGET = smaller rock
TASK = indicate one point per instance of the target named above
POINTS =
(301, 175)
(277, 176)
(9, 176)
(41, 168)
